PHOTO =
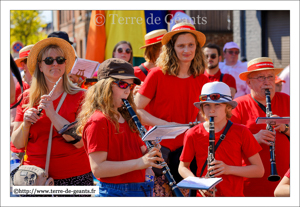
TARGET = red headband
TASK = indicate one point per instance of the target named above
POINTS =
(260, 65)
(154, 40)
(24, 54)
(185, 27)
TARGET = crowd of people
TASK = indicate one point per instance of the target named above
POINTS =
(183, 80)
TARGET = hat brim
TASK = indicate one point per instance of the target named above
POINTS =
(150, 44)
(232, 103)
(243, 76)
(18, 61)
(68, 50)
(136, 80)
(200, 36)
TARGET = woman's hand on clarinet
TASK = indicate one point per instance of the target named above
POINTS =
(150, 159)
(219, 168)
(30, 116)
(265, 137)
(46, 104)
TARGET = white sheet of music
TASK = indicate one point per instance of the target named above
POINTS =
(199, 183)
(165, 132)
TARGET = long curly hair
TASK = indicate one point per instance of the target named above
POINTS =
(99, 97)
(39, 86)
(169, 62)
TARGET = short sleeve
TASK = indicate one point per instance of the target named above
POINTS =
(149, 86)
(188, 151)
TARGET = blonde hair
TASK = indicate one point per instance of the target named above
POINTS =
(227, 111)
(38, 84)
(169, 62)
(99, 97)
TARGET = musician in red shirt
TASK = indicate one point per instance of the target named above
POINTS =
(212, 54)
(259, 77)
(170, 89)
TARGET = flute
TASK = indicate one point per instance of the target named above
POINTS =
(50, 94)
(142, 132)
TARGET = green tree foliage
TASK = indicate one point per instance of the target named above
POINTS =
(26, 26)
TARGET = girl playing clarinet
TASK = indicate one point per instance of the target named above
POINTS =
(118, 156)
(216, 101)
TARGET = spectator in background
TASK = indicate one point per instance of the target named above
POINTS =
(234, 67)
(152, 51)
(285, 75)
(212, 54)
(278, 84)
(123, 50)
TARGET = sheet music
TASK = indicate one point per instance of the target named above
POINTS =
(199, 183)
(165, 132)
(84, 67)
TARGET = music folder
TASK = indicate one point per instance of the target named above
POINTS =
(161, 132)
(84, 67)
(273, 120)
(196, 183)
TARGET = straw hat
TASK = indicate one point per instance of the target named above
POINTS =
(216, 87)
(63, 44)
(259, 64)
(154, 37)
(23, 54)
(184, 27)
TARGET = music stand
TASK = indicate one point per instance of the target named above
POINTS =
(273, 120)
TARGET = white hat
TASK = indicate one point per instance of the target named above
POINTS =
(219, 88)
(230, 45)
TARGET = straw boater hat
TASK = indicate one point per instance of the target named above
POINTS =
(259, 64)
(184, 27)
(23, 54)
(63, 44)
(216, 87)
(154, 37)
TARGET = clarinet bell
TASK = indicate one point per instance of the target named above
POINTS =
(274, 175)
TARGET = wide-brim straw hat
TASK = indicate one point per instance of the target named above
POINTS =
(154, 37)
(216, 87)
(184, 27)
(259, 64)
(66, 47)
(23, 54)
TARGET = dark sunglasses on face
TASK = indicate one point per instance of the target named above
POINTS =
(120, 50)
(235, 52)
(212, 56)
(124, 85)
(213, 97)
(49, 60)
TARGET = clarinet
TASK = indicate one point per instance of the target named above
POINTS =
(211, 148)
(142, 132)
(273, 175)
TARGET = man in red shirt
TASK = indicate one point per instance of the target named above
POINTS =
(212, 54)
(260, 76)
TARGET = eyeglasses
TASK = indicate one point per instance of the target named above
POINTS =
(124, 85)
(213, 97)
(212, 56)
(263, 78)
(120, 50)
(49, 60)
(235, 52)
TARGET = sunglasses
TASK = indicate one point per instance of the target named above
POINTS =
(120, 50)
(235, 52)
(124, 85)
(213, 97)
(212, 56)
(49, 60)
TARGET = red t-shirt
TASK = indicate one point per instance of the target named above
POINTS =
(139, 73)
(227, 78)
(99, 134)
(17, 98)
(246, 113)
(172, 99)
(65, 160)
(238, 141)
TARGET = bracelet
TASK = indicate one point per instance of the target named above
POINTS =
(286, 128)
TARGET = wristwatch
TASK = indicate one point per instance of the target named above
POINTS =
(286, 128)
